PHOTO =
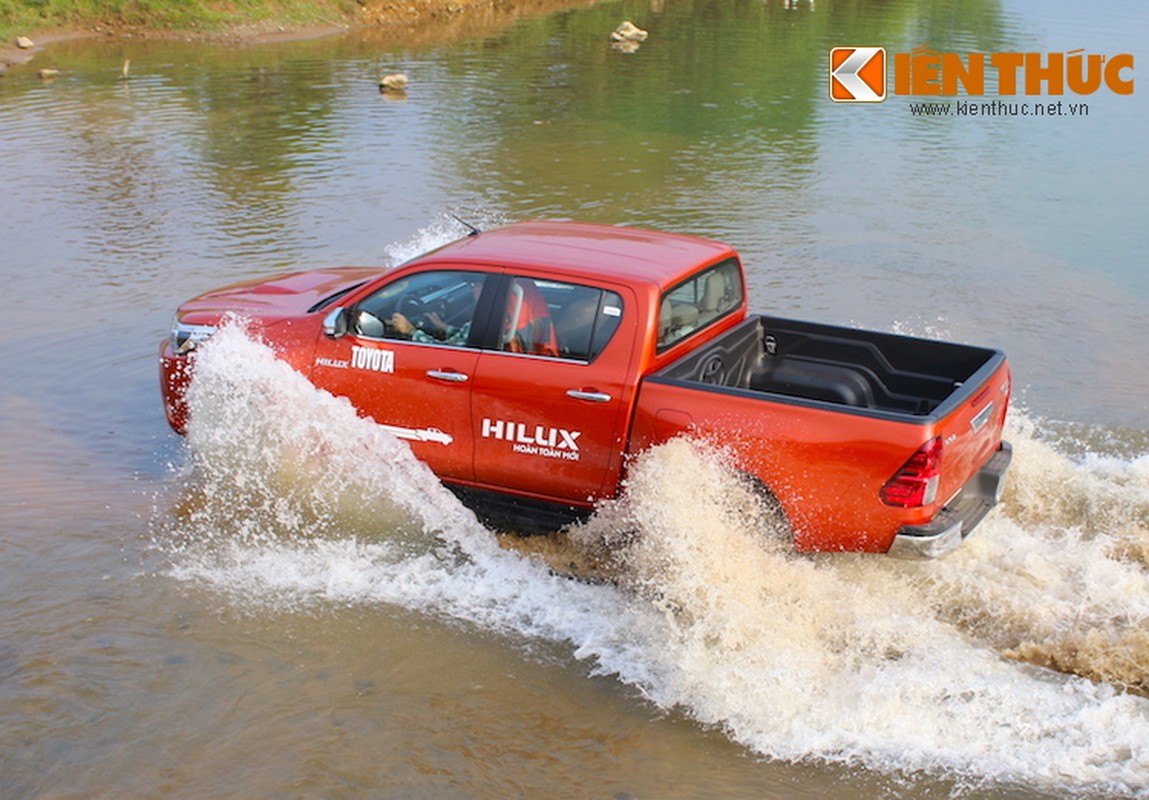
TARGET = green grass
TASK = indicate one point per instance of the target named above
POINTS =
(24, 16)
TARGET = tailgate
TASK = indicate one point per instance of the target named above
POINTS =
(970, 425)
(974, 463)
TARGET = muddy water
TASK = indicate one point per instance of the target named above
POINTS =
(287, 605)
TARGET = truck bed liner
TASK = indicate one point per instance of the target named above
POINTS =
(846, 367)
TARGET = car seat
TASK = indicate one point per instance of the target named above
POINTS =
(527, 327)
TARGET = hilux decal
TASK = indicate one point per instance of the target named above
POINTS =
(540, 440)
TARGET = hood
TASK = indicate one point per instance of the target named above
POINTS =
(289, 295)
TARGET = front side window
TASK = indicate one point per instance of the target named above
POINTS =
(431, 307)
(699, 301)
(557, 319)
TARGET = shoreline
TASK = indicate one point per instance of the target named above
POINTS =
(13, 56)
(421, 22)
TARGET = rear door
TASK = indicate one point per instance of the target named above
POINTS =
(549, 400)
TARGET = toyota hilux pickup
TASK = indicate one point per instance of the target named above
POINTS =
(528, 365)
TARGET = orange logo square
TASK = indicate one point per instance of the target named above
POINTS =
(858, 74)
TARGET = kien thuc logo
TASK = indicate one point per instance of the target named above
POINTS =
(858, 74)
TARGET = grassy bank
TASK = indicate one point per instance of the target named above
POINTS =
(205, 16)
(235, 21)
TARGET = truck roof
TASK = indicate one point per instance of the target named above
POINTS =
(580, 249)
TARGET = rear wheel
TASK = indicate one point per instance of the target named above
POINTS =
(758, 509)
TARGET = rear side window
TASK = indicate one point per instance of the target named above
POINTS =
(699, 301)
(557, 319)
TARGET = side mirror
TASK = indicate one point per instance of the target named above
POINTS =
(335, 323)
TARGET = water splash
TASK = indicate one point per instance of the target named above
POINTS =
(320, 465)
(1061, 580)
(437, 233)
(899, 666)
(896, 664)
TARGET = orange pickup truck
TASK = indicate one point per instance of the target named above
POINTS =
(526, 365)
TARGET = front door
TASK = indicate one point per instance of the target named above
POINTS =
(407, 362)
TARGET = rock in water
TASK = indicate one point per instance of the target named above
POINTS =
(628, 32)
(393, 83)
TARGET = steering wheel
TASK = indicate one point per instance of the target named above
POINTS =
(410, 306)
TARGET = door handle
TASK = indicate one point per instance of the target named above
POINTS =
(589, 396)
(448, 375)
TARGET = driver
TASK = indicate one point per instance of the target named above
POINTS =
(435, 329)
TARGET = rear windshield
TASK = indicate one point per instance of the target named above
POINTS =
(699, 301)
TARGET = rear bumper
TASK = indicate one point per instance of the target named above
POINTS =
(957, 519)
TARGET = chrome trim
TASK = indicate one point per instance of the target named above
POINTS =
(590, 397)
(556, 359)
(331, 323)
(982, 417)
(944, 539)
(443, 375)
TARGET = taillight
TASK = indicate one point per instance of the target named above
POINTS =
(916, 483)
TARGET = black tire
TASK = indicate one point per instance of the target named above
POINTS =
(762, 512)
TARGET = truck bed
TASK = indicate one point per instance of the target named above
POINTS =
(866, 372)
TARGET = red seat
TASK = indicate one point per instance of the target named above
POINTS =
(527, 327)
